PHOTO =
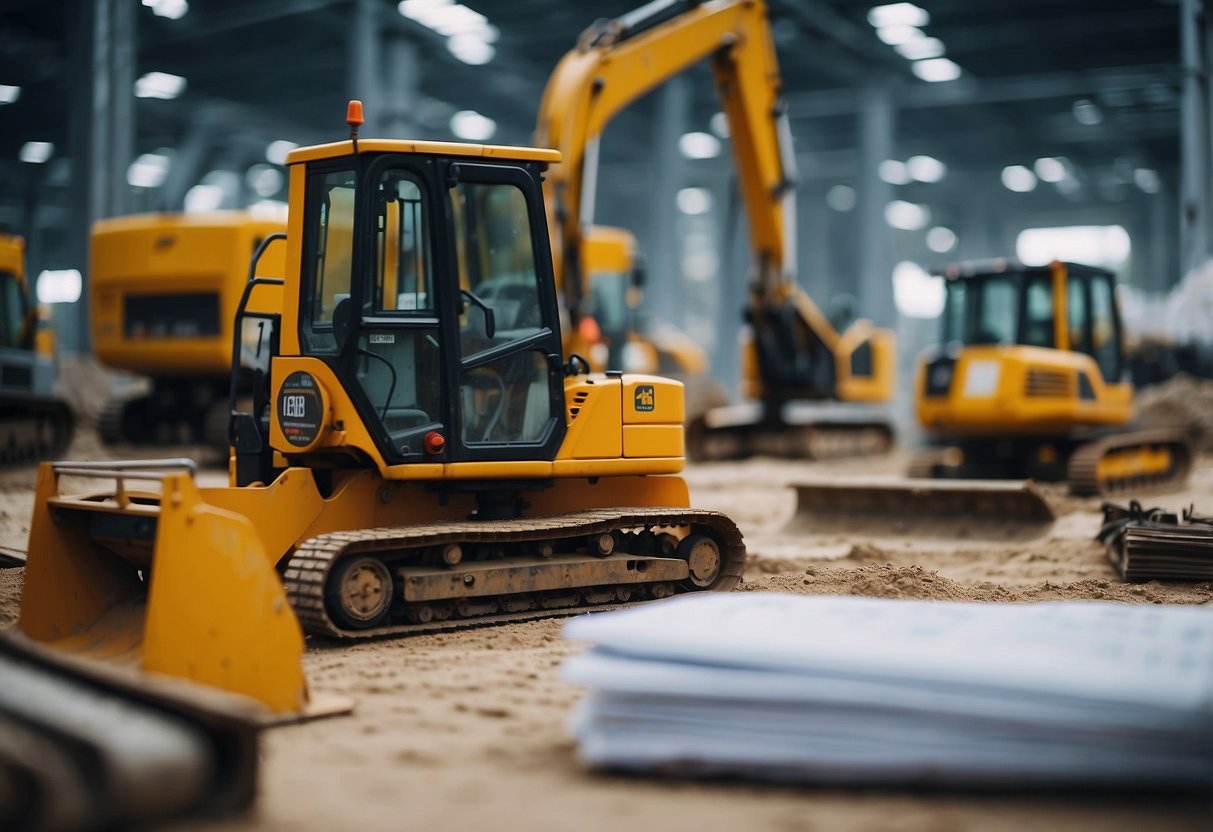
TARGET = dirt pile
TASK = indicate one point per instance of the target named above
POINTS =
(1182, 402)
(914, 582)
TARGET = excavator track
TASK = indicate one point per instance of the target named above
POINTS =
(33, 429)
(110, 421)
(509, 570)
(1130, 462)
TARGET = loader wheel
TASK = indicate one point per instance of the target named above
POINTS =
(360, 593)
(702, 555)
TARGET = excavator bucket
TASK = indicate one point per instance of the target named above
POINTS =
(161, 581)
(999, 509)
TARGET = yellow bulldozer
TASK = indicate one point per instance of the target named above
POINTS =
(418, 454)
(164, 289)
(35, 423)
(1030, 381)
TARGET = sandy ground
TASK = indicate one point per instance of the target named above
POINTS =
(465, 730)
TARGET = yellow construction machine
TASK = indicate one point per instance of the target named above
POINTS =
(794, 355)
(609, 329)
(35, 423)
(164, 293)
(418, 455)
(1030, 381)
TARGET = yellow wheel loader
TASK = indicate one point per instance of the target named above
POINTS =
(164, 290)
(34, 422)
(796, 366)
(418, 455)
(1030, 382)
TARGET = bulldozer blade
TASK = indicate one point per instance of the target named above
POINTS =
(891, 507)
(87, 746)
(166, 583)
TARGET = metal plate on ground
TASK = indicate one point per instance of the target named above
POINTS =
(1152, 551)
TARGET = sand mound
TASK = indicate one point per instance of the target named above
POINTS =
(1182, 402)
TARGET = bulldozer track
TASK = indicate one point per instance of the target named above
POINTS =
(308, 570)
(1083, 468)
(33, 430)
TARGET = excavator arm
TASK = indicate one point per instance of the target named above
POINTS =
(798, 353)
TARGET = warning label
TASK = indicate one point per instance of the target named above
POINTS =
(645, 399)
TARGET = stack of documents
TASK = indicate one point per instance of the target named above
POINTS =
(860, 690)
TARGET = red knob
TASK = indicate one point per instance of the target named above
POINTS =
(434, 442)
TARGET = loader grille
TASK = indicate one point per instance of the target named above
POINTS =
(578, 400)
(1048, 384)
(16, 375)
(171, 316)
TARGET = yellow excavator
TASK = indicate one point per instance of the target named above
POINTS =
(35, 423)
(418, 454)
(610, 331)
(1029, 381)
(793, 355)
(164, 289)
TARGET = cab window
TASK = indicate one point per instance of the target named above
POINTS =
(12, 311)
(1077, 313)
(505, 389)
(496, 264)
(1105, 329)
(403, 273)
(330, 220)
(1038, 311)
(397, 358)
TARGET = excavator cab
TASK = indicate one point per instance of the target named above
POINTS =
(426, 290)
(1025, 350)
(1029, 381)
(446, 252)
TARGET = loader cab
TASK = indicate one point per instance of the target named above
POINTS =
(16, 316)
(426, 286)
(1062, 306)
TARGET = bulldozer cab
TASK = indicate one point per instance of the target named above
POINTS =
(426, 286)
(1062, 306)
(17, 318)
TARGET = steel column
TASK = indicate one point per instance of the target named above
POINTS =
(875, 278)
(1195, 137)
(101, 133)
(366, 64)
(665, 287)
(403, 93)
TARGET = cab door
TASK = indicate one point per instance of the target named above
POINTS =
(509, 390)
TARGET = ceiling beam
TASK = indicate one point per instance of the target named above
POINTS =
(970, 91)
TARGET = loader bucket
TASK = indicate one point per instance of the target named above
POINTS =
(163, 582)
(996, 509)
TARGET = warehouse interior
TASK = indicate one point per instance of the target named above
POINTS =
(913, 152)
(1063, 114)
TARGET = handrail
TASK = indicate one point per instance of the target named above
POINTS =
(121, 470)
(135, 469)
(126, 467)
(237, 323)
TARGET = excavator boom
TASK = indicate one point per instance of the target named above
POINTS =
(794, 354)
